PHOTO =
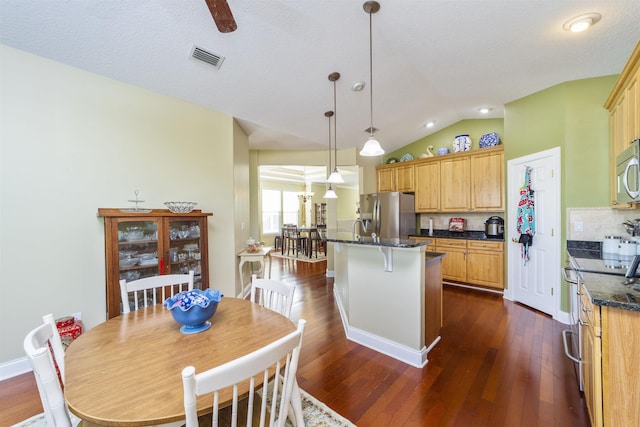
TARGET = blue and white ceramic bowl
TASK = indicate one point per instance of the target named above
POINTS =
(193, 309)
(490, 139)
(442, 151)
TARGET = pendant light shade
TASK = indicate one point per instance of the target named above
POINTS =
(335, 176)
(330, 194)
(372, 146)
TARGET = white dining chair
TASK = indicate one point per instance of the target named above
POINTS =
(281, 356)
(272, 294)
(36, 346)
(278, 296)
(153, 290)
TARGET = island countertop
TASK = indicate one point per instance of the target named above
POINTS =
(347, 237)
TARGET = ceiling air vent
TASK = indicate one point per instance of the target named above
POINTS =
(208, 57)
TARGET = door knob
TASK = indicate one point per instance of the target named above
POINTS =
(514, 240)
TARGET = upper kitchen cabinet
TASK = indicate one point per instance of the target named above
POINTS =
(473, 181)
(623, 105)
(487, 186)
(395, 177)
(455, 175)
(145, 244)
(427, 187)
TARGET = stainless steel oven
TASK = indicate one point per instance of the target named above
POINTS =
(572, 337)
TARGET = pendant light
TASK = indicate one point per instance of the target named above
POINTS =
(330, 194)
(372, 146)
(335, 176)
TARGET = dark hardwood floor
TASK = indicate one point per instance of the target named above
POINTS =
(498, 364)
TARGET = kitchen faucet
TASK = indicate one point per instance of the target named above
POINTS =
(353, 228)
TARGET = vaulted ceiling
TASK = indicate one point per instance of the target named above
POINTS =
(433, 60)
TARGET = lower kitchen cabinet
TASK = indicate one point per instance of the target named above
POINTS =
(610, 361)
(590, 329)
(477, 262)
(454, 264)
(485, 263)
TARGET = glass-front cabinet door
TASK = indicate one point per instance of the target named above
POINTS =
(185, 248)
(149, 244)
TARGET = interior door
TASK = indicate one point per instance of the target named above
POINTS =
(536, 282)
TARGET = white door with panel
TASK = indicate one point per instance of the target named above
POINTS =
(536, 282)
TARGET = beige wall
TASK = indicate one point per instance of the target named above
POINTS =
(72, 142)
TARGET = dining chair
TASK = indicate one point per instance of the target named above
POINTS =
(294, 241)
(278, 358)
(278, 296)
(273, 294)
(316, 242)
(145, 292)
(36, 346)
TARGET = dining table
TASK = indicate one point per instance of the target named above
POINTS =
(127, 371)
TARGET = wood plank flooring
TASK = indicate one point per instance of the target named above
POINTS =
(498, 364)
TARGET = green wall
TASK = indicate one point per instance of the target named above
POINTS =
(444, 138)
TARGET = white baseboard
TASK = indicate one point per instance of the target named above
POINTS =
(416, 358)
(13, 368)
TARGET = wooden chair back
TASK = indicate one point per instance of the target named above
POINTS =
(273, 294)
(276, 360)
(153, 290)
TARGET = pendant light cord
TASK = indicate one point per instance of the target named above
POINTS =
(371, 68)
(335, 130)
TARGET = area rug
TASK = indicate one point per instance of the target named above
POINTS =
(300, 257)
(315, 413)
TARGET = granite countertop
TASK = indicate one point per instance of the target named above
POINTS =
(609, 290)
(346, 237)
(604, 289)
(467, 235)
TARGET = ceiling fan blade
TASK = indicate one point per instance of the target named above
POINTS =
(222, 15)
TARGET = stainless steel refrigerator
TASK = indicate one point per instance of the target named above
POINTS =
(389, 215)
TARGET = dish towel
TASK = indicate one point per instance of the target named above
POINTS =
(526, 215)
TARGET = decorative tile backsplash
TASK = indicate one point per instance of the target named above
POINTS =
(595, 223)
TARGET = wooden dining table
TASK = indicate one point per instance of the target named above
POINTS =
(127, 371)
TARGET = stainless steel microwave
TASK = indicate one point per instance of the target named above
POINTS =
(628, 174)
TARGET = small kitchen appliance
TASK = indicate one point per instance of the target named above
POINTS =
(494, 227)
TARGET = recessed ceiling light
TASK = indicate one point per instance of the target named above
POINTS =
(484, 110)
(358, 86)
(430, 124)
(581, 22)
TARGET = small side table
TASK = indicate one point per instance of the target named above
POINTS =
(264, 252)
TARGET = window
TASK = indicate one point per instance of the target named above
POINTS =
(278, 207)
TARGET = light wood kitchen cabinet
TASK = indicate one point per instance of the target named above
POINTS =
(623, 105)
(427, 187)
(431, 247)
(485, 263)
(395, 177)
(145, 244)
(454, 263)
(455, 175)
(620, 361)
(590, 329)
(487, 182)
(477, 262)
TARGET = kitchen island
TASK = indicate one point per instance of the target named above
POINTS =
(389, 293)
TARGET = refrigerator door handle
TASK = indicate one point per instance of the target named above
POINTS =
(377, 216)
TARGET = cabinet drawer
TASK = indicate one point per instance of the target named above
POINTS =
(451, 243)
(589, 313)
(485, 245)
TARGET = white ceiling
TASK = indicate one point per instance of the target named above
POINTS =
(433, 59)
